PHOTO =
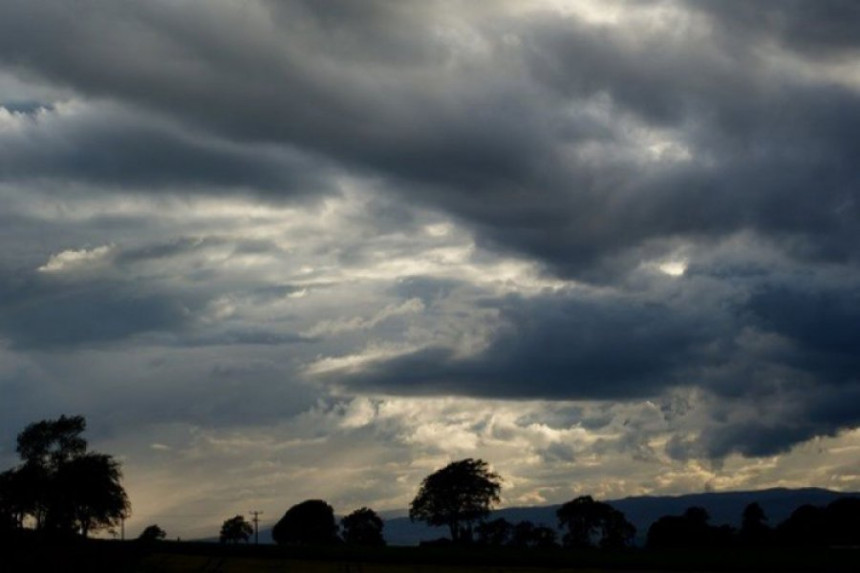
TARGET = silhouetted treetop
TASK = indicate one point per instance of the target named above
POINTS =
(456, 496)
(235, 529)
(754, 531)
(151, 534)
(363, 527)
(589, 523)
(310, 522)
(688, 530)
(50, 443)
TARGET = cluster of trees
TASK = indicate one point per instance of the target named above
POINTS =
(459, 496)
(500, 532)
(312, 522)
(462, 494)
(585, 524)
(836, 524)
(60, 486)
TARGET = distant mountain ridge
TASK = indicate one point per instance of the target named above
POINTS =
(642, 511)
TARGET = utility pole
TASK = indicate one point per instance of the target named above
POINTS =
(256, 521)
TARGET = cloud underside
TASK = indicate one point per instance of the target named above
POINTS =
(608, 203)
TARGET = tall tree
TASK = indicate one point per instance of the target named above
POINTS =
(60, 484)
(456, 496)
(89, 493)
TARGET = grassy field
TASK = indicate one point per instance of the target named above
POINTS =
(197, 563)
(172, 557)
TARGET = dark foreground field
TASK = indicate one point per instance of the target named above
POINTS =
(132, 557)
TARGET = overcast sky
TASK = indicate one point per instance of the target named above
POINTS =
(275, 250)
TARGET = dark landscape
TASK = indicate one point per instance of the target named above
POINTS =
(61, 493)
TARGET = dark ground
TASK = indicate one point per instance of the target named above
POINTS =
(31, 555)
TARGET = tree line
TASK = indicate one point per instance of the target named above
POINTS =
(461, 496)
(63, 489)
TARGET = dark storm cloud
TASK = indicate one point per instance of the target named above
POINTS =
(821, 29)
(39, 311)
(118, 148)
(774, 426)
(823, 324)
(106, 303)
(587, 148)
(559, 347)
(490, 138)
(774, 352)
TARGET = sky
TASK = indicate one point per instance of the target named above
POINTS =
(280, 250)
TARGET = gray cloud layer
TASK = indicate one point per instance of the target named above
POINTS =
(724, 134)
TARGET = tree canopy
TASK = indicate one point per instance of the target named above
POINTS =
(235, 529)
(363, 527)
(151, 534)
(456, 496)
(589, 523)
(62, 486)
(310, 522)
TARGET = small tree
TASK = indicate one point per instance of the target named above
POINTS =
(151, 534)
(308, 523)
(527, 535)
(754, 530)
(456, 496)
(589, 523)
(363, 527)
(682, 531)
(235, 529)
(495, 533)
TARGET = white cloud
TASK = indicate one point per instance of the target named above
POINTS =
(77, 259)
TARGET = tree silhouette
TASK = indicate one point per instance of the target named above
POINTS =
(522, 534)
(151, 534)
(62, 486)
(495, 533)
(843, 522)
(456, 496)
(688, 530)
(235, 529)
(89, 493)
(754, 530)
(15, 499)
(363, 527)
(589, 523)
(809, 526)
(310, 522)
